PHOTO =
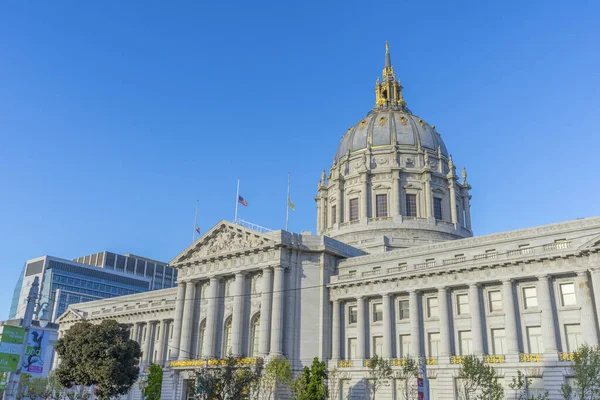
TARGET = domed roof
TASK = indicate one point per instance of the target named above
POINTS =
(388, 127)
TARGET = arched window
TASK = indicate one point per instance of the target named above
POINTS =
(226, 338)
(201, 332)
(254, 336)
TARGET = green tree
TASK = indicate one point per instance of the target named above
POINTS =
(311, 382)
(380, 371)
(410, 374)
(231, 380)
(277, 374)
(154, 383)
(519, 386)
(586, 374)
(333, 383)
(100, 355)
(478, 381)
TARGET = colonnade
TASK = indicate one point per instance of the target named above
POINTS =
(547, 306)
(270, 334)
(153, 338)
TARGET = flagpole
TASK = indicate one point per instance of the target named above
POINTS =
(195, 223)
(237, 200)
(287, 204)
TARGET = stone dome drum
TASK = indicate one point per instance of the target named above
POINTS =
(393, 183)
(386, 128)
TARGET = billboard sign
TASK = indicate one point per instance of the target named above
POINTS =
(37, 341)
(11, 344)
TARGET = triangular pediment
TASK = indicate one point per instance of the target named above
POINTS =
(223, 239)
(590, 244)
(70, 315)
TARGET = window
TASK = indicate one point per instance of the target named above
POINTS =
(226, 339)
(433, 389)
(333, 215)
(352, 315)
(535, 387)
(462, 304)
(377, 345)
(411, 205)
(433, 344)
(404, 345)
(495, 297)
(530, 297)
(534, 339)
(432, 307)
(377, 312)
(254, 332)
(351, 348)
(573, 335)
(403, 310)
(567, 294)
(381, 205)
(498, 341)
(437, 207)
(353, 209)
(466, 343)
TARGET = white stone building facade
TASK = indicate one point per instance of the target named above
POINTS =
(394, 271)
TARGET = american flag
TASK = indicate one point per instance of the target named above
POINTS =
(242, 200)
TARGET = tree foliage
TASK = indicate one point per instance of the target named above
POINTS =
(231, 380)
(478, 381)
(311, 382)
(99, 355)
(410, 374)
(154, 383)
(380, 372)
(586, 374)
(277, 375)
(519, 386)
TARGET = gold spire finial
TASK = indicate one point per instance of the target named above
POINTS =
(387, 47)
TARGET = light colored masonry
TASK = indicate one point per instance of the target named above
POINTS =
(398, 278)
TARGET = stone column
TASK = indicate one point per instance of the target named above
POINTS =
(238, 314)
(211, 318)
(179, 302)
(146, 356)
(595, 280)
(428, 196)
(510, 320)
(133, 332)
(445, 334)
(336, 332)
(395, 193)
(548, 324)
(415, 323)
(467, 207)
(339, 203)
(476, 324)
(277, 313)
(320, 229)
(266, 301)
(360, 328)
(451, 186)
(387, 326)
(188, 318)
(584, 298)
(364, 196)
(160, 342)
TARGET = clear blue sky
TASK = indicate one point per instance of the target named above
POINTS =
(116, 116)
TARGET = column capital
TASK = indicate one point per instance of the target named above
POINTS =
(475, 285)
(543, 277)
(442, 288)
(388, 295)
(581, 274)
(336, 301)
(507, 281)
(413, 291)
(360, 297)
(240, 273)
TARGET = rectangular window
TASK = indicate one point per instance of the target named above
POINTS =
(433, 344)
(377, 312)
(333, 214)
(573, 334)
(432, 307)
(462, 304)
(352, 314)
(403, 310)
(353, 209)
(404, 345)
(535, 387)
(534, 339)
(530, 297)
(437, 207)
(498, 341)
(351, 348)
(377, 345)
(495, 297)
(466, 343)
(411, 205)
(567, 294)
(381, 205)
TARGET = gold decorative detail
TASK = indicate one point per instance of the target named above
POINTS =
(381, 121)
(493, 359)
(363, 123)
(530, 357)
(567, 356)
(403, 120)
(398, 362)
(431, 361)
(433, 127)
(345, 364)
(421, 122)
(212, 362)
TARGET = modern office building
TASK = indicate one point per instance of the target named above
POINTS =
(97, 276)
(394, 270)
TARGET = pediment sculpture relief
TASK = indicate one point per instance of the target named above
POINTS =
(229, 240)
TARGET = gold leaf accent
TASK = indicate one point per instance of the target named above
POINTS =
(382, 120)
